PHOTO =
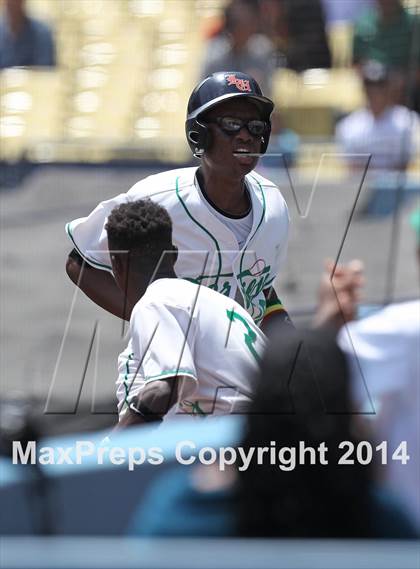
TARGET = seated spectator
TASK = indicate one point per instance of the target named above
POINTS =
(297, 28)
(239, 46)
(381, 128)
(24, 41)
(389, 33)
(344, 10)
(303, 395)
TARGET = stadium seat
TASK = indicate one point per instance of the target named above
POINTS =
(311, 100)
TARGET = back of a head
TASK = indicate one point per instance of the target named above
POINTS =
(142, 227)
(303, 398)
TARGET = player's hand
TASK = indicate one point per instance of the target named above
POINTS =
(339, 293)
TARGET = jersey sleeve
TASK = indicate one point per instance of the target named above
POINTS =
(89, 236)
(162, 340)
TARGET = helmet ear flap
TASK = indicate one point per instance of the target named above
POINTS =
(198, 136)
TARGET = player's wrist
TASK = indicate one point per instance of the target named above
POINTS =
(146, 414)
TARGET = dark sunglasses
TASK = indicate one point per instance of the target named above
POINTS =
(232, 125)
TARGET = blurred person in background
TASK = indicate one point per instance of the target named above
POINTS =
(241, 46)
(345, 10)
(303, 394)
(297, 28)
(24, 41)
(382, 129)
(390, 34)
(383, 351)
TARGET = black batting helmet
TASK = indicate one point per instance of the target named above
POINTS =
(214, 90)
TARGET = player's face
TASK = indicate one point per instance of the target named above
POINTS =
(234, 141)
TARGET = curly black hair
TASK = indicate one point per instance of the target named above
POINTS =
(142, 226)
(303, 394)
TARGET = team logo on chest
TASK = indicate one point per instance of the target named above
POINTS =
(253, 280)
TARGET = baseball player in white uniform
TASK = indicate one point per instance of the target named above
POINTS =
(195, 351)
(230, 224)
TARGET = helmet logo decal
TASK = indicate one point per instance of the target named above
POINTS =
(241, 84)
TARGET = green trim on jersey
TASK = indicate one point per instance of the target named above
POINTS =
(201, 277)
(263, 213)
(252, 236)
(248, 292)
(90, 261)
(219, 255)
(125, 380)
(196, 410)
(250, 336)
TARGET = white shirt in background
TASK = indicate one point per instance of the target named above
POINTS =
(390, 138)
(384, 355)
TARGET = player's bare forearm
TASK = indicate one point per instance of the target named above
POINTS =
(157, 397)
(98, 285)
(154, 401)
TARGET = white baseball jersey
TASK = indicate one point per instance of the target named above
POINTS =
(179, 328)
(209, 253)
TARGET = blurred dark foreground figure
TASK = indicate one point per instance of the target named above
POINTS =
(302, 395)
